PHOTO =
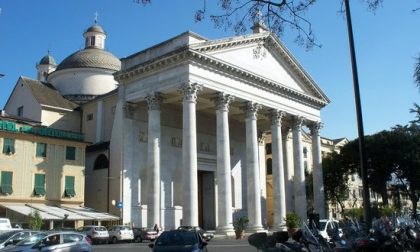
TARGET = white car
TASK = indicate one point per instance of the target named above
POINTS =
(327, 227)
(98, 234)
(120, 233)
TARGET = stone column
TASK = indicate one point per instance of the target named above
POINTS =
(279, 196)
(189, 153)
(253, 190)
(224, 185)
(319, 194)
(299, 178)
(153, 160)
(289, 174)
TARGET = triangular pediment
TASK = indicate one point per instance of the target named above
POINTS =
(265, 56)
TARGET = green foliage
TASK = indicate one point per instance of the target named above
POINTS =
(354, 213)
(241, 223)
(292, 220)
(336, 174)
(35, 220)
(387, 211)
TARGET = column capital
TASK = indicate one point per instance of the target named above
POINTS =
(316, 127)
(251, 109)
(154, 100)
(297, 122)
(222, 101)
(276, 116)
(189, 91)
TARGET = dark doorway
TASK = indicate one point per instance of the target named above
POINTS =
(206, 200)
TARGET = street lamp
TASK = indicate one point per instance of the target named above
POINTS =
(362, 152)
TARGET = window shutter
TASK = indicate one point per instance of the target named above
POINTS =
(70, 153)
(8, 146)
(41, 149)
(39, 184)
(6, 182)
(69, 187)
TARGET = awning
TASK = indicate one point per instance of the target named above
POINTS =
(67, 212)
(26, 210)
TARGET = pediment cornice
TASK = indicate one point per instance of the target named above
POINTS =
(191, 56)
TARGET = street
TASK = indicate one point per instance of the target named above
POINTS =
(219, 245)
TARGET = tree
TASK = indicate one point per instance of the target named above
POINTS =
(336, 179)
(35, 220)
(277, 15)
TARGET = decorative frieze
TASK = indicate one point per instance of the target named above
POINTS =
(176, 142)
(143, 136)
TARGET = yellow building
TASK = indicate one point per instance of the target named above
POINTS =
(42, 169)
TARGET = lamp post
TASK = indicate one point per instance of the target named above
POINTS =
(362, 152)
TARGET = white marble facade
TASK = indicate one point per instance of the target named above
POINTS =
(186, 129)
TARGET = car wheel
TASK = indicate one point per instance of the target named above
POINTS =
(114, 240)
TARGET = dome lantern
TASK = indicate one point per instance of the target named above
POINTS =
(45, 66)
(95, 36)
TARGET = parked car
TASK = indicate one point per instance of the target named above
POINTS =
(179, 240)
(98, 234)
(26, 244)
(328, 227)
(141, 234)
(120, 233)
(55, 241)
(205, 234)
(13, 237)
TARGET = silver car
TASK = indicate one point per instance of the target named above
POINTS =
(98, 234)
(55, 241)
(15, 236)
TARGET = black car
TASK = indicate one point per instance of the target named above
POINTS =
(179, 240)
(205, 234)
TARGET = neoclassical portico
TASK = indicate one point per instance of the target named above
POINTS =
(202, 109)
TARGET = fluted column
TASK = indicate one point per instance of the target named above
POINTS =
(253, 190)
(289, 174)
(153, 160)
(224, 187)
(189, 153)
(299, 178)
(319, 194)
(279, 196)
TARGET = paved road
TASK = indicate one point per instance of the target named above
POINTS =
(214, 245)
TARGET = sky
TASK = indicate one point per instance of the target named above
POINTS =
(387, 43)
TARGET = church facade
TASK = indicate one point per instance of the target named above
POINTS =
(175, 129)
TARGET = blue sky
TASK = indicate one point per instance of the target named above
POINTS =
(387, 44)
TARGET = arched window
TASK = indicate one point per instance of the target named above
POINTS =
(305, 152)
(269, 166)
(101, 162)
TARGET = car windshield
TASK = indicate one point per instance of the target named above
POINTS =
(5, 236)
(322, 225)
(32, 239)
(177, 239)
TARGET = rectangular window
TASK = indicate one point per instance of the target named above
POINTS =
(70, 153)
(69, 187)
(89, 117)
(268, 148)
(20, 111)
(8, 146)
(39, 184)
(41, 149)
(6, 182)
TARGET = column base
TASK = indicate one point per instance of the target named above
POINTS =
(279, 227)
(225, 231)
(254, 229)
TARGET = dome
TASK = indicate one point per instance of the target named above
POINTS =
(91, 58)
(95, 28)
(47, 60)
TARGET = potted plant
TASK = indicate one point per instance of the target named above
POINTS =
(293, 222)
(240, 225)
